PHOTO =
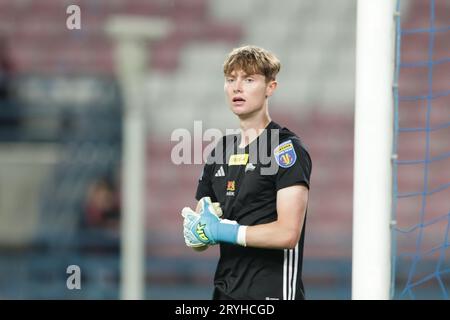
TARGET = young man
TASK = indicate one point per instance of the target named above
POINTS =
(262, 232)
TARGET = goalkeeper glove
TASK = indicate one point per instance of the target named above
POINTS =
(188, 214)
(208, 229)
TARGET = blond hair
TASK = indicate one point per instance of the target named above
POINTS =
(252, 60)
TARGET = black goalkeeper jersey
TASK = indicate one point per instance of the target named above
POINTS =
(245, 182)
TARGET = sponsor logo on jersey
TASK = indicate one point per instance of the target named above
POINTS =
(238, 159)
(285, 155)
(220, 172)
(250, 167)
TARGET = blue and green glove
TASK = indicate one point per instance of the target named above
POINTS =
(206, 228)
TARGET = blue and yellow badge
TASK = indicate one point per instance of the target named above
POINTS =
(285, 154)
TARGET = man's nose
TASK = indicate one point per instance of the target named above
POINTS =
(237, 86)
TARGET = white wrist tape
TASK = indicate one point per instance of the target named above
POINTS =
(242, 233)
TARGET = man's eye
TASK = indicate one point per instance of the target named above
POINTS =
(230, 80)
(249, 80)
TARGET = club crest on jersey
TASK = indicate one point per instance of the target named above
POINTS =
(285, 155)
(231, 187)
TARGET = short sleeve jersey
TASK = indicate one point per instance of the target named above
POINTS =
(245, 181)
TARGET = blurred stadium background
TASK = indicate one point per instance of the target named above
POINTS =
(61, 135)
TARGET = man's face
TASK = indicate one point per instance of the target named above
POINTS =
(247, 93)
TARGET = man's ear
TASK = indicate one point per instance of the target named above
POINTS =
(271, 87)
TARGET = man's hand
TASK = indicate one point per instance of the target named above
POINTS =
(206, 228)
(189, 217)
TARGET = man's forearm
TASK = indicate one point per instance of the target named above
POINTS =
(273, 235)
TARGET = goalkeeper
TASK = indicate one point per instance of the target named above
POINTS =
(262, 228)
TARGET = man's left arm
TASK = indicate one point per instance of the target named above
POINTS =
(292, 185)
(284, 233)
(206, 228)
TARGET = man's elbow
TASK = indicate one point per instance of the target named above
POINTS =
(292, 239)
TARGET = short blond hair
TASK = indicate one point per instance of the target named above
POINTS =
(252, 60)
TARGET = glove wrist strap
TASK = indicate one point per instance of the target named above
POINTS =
(227, 232)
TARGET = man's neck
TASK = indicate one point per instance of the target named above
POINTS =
(252, 127)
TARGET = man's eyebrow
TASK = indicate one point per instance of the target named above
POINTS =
(251, 74)
(243, 75)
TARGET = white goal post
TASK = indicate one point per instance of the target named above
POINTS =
(371, 265)
(131, 35)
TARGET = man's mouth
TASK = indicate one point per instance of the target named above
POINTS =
(238, 99)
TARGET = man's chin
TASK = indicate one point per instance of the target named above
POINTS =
(239, 111)
(245, 116)
(242, 115)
